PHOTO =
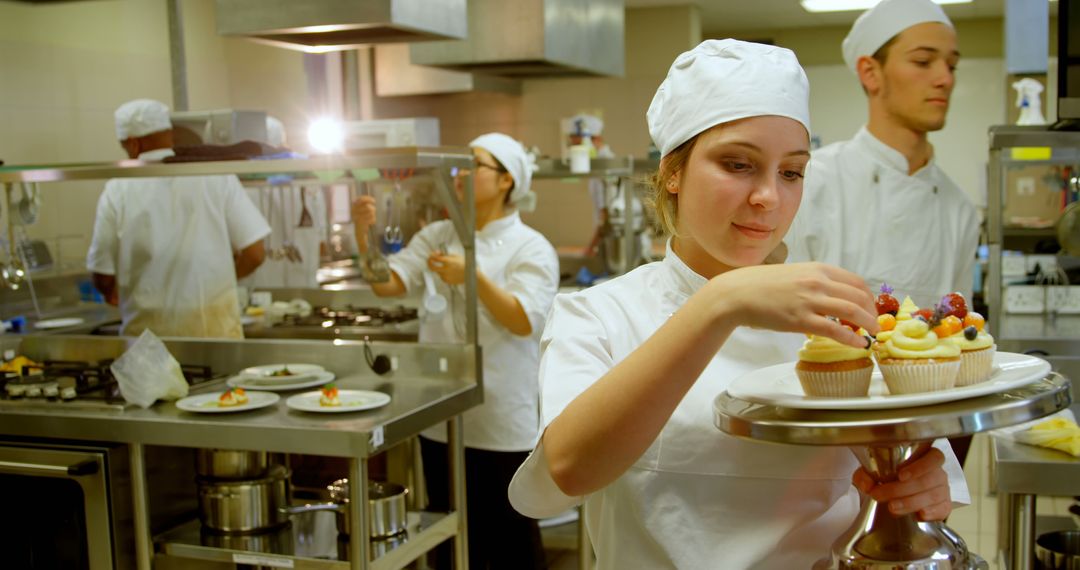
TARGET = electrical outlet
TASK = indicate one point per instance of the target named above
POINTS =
(1013, 266)
(1025, 299)
(1065, 299)
(1046, 263)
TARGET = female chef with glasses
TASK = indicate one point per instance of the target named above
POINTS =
(629, 369)
(517, 277)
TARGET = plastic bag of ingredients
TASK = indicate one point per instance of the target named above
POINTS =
(147, 372)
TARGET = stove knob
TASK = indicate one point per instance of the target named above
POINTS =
(51, 391)
(33, 392)
(68, 393)
(16, 390)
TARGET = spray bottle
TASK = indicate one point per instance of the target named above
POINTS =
(1027, 99)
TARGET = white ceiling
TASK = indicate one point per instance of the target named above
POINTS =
(746, 15)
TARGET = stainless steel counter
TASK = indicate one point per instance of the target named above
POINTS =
(431, 384)
(1020, 472)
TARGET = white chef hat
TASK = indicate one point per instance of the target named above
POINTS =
(275, 131)
(141, 117)
(725, 80)
(518, 162)
(878, 25)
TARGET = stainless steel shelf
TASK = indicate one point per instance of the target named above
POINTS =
(1012, 136)
(314, 546)
(396, 158)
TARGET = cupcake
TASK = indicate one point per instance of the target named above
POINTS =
(916, 360)
(889, 321)
(829, 369)
(976, 345)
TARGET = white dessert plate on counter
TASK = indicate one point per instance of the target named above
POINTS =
(59, 323)
(281, 383)
(208, 403)
(273, 370)
(779, 386)
(351, 401)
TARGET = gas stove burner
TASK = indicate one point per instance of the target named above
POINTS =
(352, 316)
(66, 380)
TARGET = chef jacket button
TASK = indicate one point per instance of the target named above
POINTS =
(935, 189)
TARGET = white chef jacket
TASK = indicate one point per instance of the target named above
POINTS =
(170, 244)
(520, 260)
(697, 498)
(283, 206)
(862, 211)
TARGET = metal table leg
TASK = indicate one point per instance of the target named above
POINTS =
(1022, 539)
(359, 546)
(456, 438)
(144, 548)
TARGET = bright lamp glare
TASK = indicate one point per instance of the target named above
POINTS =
(326, 136)
(846, 5)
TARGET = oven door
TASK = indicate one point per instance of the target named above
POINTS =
(57, 508)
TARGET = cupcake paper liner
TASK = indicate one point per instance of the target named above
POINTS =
(975, 366)
(914, 376)
(836, 384)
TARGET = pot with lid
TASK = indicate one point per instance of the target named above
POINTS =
(231, 464)
(386, 507)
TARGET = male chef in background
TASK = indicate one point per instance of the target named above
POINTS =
(878, 205)
(169, 250)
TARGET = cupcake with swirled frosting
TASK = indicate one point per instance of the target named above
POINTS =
(976, 350)
(916, 360)
(829, 369)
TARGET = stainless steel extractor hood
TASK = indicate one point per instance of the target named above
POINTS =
(330, 25)
(531, 38)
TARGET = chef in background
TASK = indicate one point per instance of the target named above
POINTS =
(878, 205)
(168, 251)
(297, 218)
(517, 275)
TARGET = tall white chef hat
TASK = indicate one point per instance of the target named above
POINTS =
(518, 162)
(141, 117)
(275, 131)
(720, 81)
(878, 25)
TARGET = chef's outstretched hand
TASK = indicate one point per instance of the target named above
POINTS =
(799, 297)
(449, 268)
(363, 211)
(923, 488)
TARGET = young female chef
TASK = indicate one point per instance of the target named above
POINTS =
(630, 368)
(517, 277)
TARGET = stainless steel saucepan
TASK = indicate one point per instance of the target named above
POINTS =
(386, 507)
(244, 506)
(231, 464)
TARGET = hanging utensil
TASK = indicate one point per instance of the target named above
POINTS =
(15, 270)
(305, 215)
(373, 266)
(392, 239)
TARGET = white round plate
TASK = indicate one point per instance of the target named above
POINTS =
(208, 403)
(351, 401)
(59, 323)
(274, 384)
(779, 386)
(270, 369)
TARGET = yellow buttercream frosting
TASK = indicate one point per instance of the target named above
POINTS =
(982, 340)
(913, 339)
(823, 349)
(907, 308)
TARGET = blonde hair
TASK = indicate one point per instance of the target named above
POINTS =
(666, 204)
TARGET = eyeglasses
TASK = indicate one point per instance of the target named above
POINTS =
(479, 165)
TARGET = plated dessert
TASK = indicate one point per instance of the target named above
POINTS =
(233, 397)
(329, 396)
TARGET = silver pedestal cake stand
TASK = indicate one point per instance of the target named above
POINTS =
(884, 440)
